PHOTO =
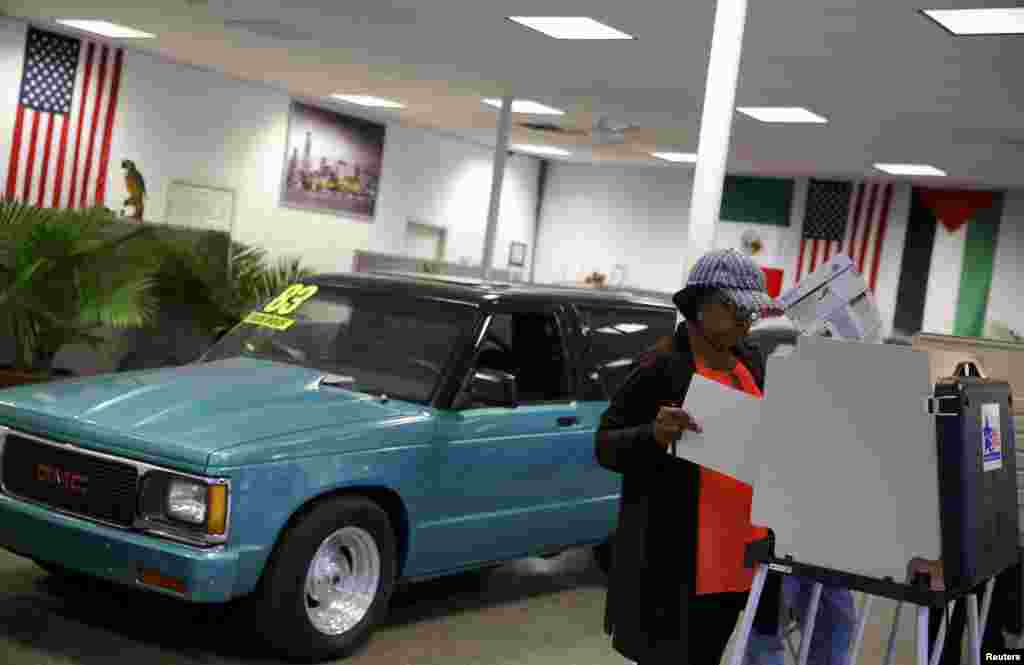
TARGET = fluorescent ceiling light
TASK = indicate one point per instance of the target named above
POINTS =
(781, 114)
(688, 157)
(570, 27)
(367, 100)
(106, 29)
(542, 150)
(910, 169)
(526, 106)
(979, 21)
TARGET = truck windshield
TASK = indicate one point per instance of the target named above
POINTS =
(392, 345)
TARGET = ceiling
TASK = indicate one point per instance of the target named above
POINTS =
(894, 85)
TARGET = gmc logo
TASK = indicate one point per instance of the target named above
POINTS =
(70, 481)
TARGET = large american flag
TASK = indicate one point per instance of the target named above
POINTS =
(841, 217)
(67, 103)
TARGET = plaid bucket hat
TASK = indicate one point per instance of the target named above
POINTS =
(733, 275)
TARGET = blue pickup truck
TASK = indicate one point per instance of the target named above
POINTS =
(357, 432)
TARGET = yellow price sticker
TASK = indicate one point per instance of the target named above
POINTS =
(269, 321)
(291, 299)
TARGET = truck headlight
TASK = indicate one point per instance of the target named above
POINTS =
(187, 501)
(194, 507)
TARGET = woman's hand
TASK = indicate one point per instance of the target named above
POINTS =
(670, 423)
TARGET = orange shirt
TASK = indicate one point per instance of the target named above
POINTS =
(723, 515)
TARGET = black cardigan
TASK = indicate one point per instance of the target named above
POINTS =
(654, 559)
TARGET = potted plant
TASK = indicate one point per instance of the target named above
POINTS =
(217, 288)
(204, 285)
(64, 275)
(252, 279)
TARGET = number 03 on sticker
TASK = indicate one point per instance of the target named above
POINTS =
(290, 299)
(274, 315)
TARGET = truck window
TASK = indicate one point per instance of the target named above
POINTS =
(613, 340)
(530, 347)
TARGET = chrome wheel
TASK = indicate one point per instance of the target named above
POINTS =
(342, 580)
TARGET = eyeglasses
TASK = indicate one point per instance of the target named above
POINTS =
(744, 315)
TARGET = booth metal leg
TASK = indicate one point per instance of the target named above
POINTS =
(891, 648)
(922, 635)
(973, 632)
(807, 630)
(858, 636)
(739, 651)
(986, 605)
(940, 639)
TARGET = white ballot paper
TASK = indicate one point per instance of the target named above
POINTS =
(729, 418)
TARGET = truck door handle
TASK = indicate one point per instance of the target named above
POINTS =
(567, 421)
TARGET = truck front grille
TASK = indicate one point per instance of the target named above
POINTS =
(78, 483)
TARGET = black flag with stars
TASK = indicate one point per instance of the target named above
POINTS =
(828, 206)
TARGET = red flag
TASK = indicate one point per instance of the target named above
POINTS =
(953, 209)
(64, 122)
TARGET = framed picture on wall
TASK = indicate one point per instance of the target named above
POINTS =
(333, 162)
(517, 255)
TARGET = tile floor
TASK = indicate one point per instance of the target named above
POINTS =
(532, 612)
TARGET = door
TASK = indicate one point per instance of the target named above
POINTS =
(513, 480)
(609, 340)
(425, 242)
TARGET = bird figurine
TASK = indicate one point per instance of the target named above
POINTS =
(136, 189)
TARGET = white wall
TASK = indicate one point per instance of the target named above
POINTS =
(182, 123)
(12, 53)
(596, 217)
(431, 179)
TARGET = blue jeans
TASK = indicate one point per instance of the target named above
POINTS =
(833, 627)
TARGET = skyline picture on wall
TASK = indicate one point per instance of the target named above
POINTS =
(333, 162)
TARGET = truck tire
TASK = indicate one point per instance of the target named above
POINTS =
(329, 581)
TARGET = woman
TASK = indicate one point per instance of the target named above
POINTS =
(679, 581)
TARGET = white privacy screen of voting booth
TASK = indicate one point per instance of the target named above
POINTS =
(845, 463)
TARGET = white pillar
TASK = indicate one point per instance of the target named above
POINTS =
(500, 157)
(715, 127)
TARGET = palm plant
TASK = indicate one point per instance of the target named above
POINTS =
(67, 274)
(253, 280)
(216, 282)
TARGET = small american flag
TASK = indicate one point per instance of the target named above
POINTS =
(841, 217)
(60, 150)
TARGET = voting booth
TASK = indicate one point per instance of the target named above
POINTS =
(864, 462)
(855, 442)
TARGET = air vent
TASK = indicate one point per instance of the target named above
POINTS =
(989, 136)
(544, 127)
